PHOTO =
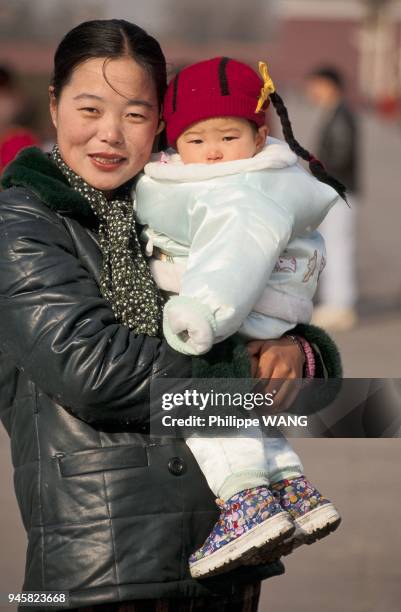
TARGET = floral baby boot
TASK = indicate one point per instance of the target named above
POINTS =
(314, 516)
(251, 522)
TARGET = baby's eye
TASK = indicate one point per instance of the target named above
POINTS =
(196, 141)
(229, 138)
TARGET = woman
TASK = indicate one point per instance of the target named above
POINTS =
(111, 514)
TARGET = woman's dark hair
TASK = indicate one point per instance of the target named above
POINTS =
(110, 39)
(315, 166)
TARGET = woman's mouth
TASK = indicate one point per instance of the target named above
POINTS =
(107, 161)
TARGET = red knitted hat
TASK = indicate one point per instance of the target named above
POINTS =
(219, 87)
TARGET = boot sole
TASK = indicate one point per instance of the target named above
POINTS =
(309, 528)
(258, 540)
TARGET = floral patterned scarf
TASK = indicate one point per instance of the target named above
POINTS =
(126, 282)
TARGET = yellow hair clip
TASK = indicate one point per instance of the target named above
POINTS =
(268, 86)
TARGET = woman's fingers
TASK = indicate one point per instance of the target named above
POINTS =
(254, 349)
(255, 346)
(286, 395)
(281, 358)
(280, 362)
(254, 366)
(283, 390)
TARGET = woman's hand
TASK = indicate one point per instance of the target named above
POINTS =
(280, 361)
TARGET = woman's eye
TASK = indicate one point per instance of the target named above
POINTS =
(89, 109)
(136, 116)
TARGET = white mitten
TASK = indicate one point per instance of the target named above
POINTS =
(188, 325)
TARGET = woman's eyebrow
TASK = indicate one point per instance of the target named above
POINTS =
(136, 102)
(133, 102)
(87, 95)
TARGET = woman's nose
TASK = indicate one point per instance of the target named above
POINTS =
(111, 132)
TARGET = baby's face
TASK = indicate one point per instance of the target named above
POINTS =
(220, 139)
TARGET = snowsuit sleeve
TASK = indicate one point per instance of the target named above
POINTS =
(236, 235)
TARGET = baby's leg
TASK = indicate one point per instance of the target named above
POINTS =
(314, 516)
(229, 464)
(282, 462)
(251, 520)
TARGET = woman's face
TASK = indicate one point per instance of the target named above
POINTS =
(105, 129)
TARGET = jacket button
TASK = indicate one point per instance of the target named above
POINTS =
(176, 466)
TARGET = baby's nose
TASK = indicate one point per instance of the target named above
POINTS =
(214, 155)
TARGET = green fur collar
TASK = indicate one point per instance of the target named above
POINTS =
(35, 171)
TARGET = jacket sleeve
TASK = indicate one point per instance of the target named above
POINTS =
(55, 325)
(328, 368)
(237, 234)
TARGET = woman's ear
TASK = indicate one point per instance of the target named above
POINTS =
(160, 127)
(261, 137)
(53, 106)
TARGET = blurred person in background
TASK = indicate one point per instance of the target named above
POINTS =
(14, 135)
(337, 148)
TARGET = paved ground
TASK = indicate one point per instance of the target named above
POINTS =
(358, 568)
(373, 348)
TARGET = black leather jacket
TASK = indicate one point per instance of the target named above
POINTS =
(111, 514)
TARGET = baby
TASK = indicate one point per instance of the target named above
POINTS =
(230, 221)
